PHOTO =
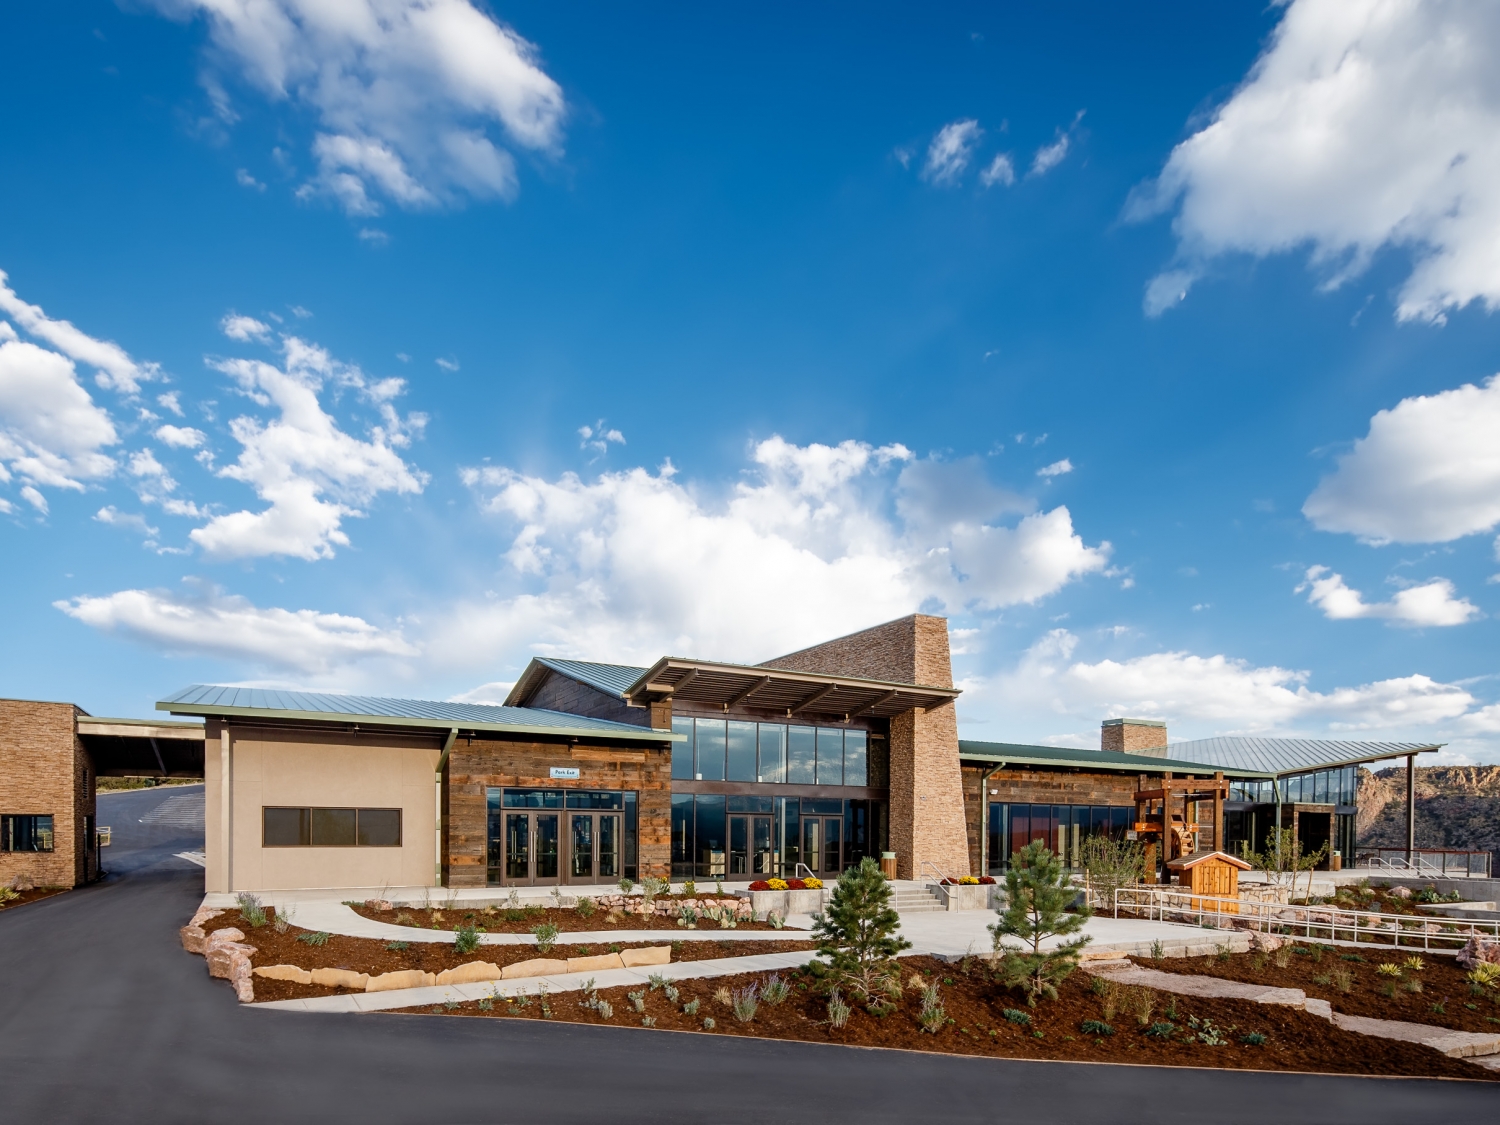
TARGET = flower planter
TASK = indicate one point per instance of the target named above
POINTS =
(972, 896)
(783, 902)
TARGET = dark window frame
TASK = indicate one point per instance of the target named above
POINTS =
(304, 829)
(8, 832)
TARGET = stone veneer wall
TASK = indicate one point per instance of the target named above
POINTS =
(44, 770)
(927, 805)
(1133, 736)
(477, 764)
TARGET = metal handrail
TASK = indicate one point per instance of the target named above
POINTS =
(1450, 861)
(1341, 927)
(801, 867)
(938, 871)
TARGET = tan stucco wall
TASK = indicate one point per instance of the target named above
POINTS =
(307, 769)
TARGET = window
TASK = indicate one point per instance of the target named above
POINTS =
(710, 743)
(855, 758)
(741, 751)
(801, 754)
(682, 752)
(830, 756)
(25, 833)
(330, 828)
(772, 753)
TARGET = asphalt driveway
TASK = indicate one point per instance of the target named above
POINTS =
(103, 1018)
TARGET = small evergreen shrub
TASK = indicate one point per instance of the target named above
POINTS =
(691, 1007)
(546, 936)
(1096, 1027)
(1015, 1015)
(397, 946)
(858, 934)
(1161, 1029)
(1039, 891)
(466, 938)
(585, 907)
(1254, 1039)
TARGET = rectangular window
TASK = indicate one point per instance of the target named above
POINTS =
(584, 799)
(682, 752)
(830, 756)
(741, 751)
(855, 757)
(772, 753)
(710, 742)
(682, 835)
(801, 755)
(533, 798)
(330, 828)
(710, 837)
(25, 833)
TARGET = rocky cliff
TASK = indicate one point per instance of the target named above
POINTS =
(1457, 807)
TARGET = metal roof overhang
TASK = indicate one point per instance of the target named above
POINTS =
(774, 689)
(1093, 760)
(142, 747)
(437, 726)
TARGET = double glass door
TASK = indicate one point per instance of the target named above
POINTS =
(822, 845)
(593, 847)
(750, 852)
(539, 848)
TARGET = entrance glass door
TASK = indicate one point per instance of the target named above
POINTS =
(822, 845)
(750, 854)
(594, 846)
(531, 848)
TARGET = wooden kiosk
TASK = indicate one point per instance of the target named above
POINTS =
(1211, 875)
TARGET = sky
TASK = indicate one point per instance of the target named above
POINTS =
(382, 346)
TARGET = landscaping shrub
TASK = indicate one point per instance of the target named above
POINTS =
(1096, 1027)
(745, 1002)
(1110, 864)
(1109, 999)
(1388, 969)
(637, 999)
(722, 995)
(1015, 1015)
(466, 938)
(857, 934)
(397, 946)
(319, 938)
(1209, 1033)
(933, 1014)
(838, 1011)
(708, 1023)
(626, 885)
(585, 907)
(1254, 1039)
(1415, 964)
(1161, 1029)
(775, 990)
(251, 911)
(546, 936)
(691, 1007)
(283, 920)
(1038, 893)
(1142, 1003)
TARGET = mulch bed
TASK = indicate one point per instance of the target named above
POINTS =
(1295, 1041)
(503, 920)
(371, 955)
(1442, 980)
(24, 897)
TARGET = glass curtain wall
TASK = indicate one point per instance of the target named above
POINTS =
(771, 753)
(702, 825)
(1063, 828)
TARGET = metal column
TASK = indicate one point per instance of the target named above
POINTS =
(1411, 806)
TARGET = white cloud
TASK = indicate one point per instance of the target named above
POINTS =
(182, 437)
(447, 364)
(115, 370)
(403, 91)
(1432, 603)
(1056, 469)
(373, 236)
(309, 471)
(244, 328)
(245, 179)
(949, 153)
(171, 401)
(1366, 124)
(1000, 170)
(1427, 472)
(207, 622)
(52, 433)
(1213, 694)
(599, 437)
(634, 563)
(128, 520)
(33, 497)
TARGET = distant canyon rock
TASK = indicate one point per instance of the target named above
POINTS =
(1457, 807)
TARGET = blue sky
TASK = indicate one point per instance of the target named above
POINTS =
(1152, 347)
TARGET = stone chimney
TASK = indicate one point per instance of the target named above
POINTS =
(1134, 736)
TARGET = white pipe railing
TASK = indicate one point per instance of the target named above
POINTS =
(1329, 923)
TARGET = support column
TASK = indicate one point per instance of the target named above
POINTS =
(1411, 806)
(226, 835)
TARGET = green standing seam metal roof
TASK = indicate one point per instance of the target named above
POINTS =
(1293, 755)
(1064, 756)
(612, 679)
(215, 699)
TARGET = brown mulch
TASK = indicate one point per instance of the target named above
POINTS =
(502, 920)
(37, 893)
(1442, 980)
(1295, 1041)
(371, 955)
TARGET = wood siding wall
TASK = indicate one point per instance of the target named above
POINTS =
(477, 764)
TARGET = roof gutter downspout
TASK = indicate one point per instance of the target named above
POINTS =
(437, 820)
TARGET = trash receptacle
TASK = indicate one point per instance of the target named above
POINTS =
(888, 864)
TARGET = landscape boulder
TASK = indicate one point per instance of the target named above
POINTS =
(652, 955)
(284, 972)
(1479, 951)
(469, 974)
(1265, 943)
(401, 978)
(22, 882)
(597, 964)
(341, 978)
(536, 967)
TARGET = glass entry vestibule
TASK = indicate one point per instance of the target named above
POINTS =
(541, 837)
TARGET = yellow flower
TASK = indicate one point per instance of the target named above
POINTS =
(813, 884)
(969, 881)
(776, 884)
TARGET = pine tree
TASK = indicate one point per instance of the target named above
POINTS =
(857, 933)
(1038, 892)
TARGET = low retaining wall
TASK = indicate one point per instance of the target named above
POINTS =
(762, 903)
